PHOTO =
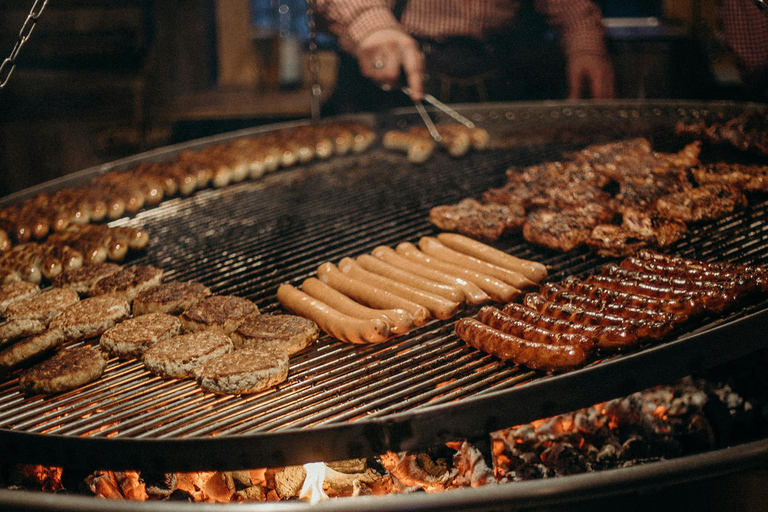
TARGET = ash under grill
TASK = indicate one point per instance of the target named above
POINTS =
(343, 401)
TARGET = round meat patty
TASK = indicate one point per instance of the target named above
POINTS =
(17, 290)
(246, 370)
(82, 279)
(223, 313)
(132, 337)
(16, 328)
(291, 333)
(65, 370)
(91, 317)
(44, 306)
(172, 298)
(178, 356)
(128, 282)
(29, 348)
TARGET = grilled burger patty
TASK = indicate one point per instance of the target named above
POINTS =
(128, 282)
(91, 317)
(223, 313)
(172, 298)
(178, 356)
(247, 370)
(291, 333)
(44, 306)
(82, 279)
(67, 369)
(132, 337)
(14, 291)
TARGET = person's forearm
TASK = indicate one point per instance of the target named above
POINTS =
(580, 25)
(353, 20)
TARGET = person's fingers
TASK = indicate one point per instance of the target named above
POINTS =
(413, 66)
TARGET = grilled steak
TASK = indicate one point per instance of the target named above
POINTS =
(481, 221)
(707, 202)
(748, 178)
(746, 132)
(565, 229)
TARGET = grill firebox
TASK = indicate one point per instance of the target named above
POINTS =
(343, 401)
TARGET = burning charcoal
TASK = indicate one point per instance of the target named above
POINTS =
(253, 493)
(564, 459)
(159, 485)
(288, 481)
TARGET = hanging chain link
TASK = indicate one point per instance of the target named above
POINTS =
(314, 63)
(6, 68)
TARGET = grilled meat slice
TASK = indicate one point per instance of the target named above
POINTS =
(611, 240)
(746, 132)
(707, 202)
(748, 178)
(66, 370)
(477, 220)
(567, 228)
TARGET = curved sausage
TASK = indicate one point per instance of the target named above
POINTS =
(686, 306)
(611, 337)
(338, 325)
(400, 322)
(433, 247)
(572, 313)
(556, 293)
(496, 289)
(5, 241)
(532, 270)
(439, 307)
(473, 294)
(377, 266)
(370, 295)
(538, 356)
(417, 149)
(492, 317)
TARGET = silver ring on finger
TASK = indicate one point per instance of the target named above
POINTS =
(378, 64)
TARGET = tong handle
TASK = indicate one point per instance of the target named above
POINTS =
(444, 108)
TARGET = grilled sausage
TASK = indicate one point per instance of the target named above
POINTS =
(496, 289)
(370, 295)
(439, 307)
(645, 329)
(556, 293)
(716, 296)
(433, 247)
(737, 282)
(417, 149)
(473, 294)
(5, 241)
(492, 317)
(333, 322)
(685, 306)
(538, 356)
(400, 322)
(532, 270)
(377, 266)
(610, 337)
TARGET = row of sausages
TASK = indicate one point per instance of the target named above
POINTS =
(115, 194)
(389, 291)
(418, 145)
(642, 299)
(72, 248)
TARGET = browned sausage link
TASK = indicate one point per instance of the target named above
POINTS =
(335, 323)
(370, 295)
(492, 317)
(399, 320)
(686, 306)
(381, 267)
(537, 356)
(473, 294)
(556, 293)
(645, 284)
(644, 329)
(24, 261)
(736, 282)
(759, 273)
(70, 258)
(20, 232)
(604, 336)
(437, 305)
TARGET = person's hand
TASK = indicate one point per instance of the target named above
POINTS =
(594, 71)
(382, 54)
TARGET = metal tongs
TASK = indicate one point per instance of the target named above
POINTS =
(440, 106)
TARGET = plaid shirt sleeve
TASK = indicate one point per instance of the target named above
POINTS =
(579, 23)
(746, 32)
(352, 20)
